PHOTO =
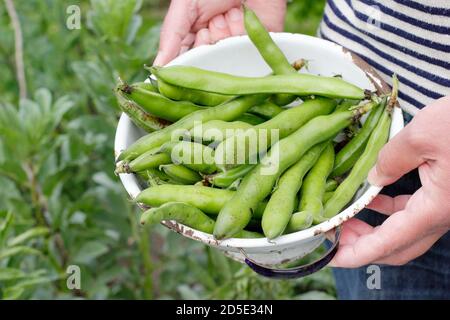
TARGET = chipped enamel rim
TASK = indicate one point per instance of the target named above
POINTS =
(130, 182)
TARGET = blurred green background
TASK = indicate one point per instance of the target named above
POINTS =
(60, 203)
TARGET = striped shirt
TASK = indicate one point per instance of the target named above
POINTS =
(408, 37)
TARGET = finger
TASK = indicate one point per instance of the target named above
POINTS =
(271, 14)
(207, 9)
(202, 38)
(399, 231)
(399, 156)
(414, 251)
(187, 43)
(175, 28)
(387, 205)
(218, 28)
(351, 231)
(358, 226)
(235, 21)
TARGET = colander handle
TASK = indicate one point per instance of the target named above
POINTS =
(300, 271)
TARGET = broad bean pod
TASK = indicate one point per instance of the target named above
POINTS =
(348, 188)
(258, 184)
(246, 145)
(313, 188)
(187, 215)
(281, 203)
(349, 154)
(299, 83)
(228, 111)
(180, 173)
(139, 117)
(195, 156)
(156, 104)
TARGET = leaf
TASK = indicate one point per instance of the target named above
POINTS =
(18, 250)
(6, 222)
(89, 252)
(315, 295)
(133, 28)
(187, 293)
(43, 98)
(11, 274)
(13, 293)
(60, 108)
(104, 180)
(27, 235)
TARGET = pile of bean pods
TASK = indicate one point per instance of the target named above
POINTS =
(189, 161)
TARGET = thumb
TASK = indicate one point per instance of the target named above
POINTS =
(399, 156)
(176, 27)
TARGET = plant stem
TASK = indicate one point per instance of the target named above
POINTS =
(18, 42)
(142, 236)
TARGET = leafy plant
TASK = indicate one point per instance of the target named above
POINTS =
(60, 203)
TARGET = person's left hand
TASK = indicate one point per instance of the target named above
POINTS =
(415, 221)
(192, 23)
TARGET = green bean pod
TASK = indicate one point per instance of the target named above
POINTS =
(209, 200)
(300, 84)
(379, 136)
(300, 221)
(228, 111)
(348, 188)
(331, 185)
(258, 184)
(146, 86)
(266, 110)
(347, 104)
(180, 173)
(156, 104)
(139, 117)
(269, 51)
(244, 234)
(349, 154)
(251, 119)
(327, 196)
(188, 215)
(281, 203)
(180, 212)
(245, 146)
(147, 160)
(216, 130)
(227, 178)
(196, 96)
(195, 156)
(146, 174)
(200, 97)
(313, 188)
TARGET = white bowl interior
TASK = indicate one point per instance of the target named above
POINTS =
(238, 56)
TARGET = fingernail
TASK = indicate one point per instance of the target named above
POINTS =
(219, 22)
(235, 15)
(159, 60)
(373, 177)
(203, 34)
(184, 49)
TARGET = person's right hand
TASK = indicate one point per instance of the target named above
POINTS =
(191, 23)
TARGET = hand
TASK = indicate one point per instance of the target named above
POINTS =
(192, 23)
(415, 221)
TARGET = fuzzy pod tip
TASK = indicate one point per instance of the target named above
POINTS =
(144, 217)
(152, 69)
(122, 167)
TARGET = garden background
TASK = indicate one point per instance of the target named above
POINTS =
(60, 203)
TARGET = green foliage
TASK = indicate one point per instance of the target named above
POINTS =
(60, 203)
(304, 16)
